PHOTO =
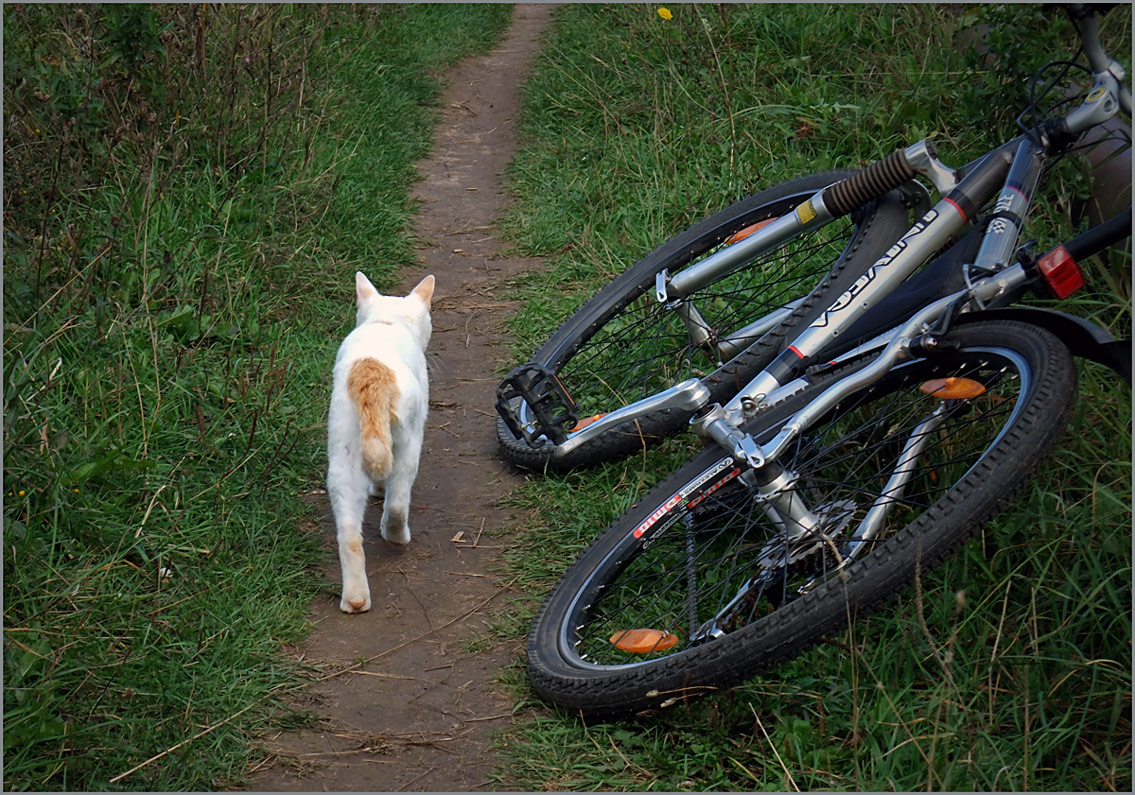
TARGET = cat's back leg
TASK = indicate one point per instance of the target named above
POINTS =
(408, 438)
(348, 488)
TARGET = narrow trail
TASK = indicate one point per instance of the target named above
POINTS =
(419, 713)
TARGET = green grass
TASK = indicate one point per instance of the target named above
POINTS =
(181, 230)
(1010, 667)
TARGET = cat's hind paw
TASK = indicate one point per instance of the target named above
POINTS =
(394, 527)
(355, 603)
(400, 535)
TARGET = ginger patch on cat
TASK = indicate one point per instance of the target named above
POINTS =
(373, 388)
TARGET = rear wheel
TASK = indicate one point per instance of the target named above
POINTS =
(701, 584)
(623, 345)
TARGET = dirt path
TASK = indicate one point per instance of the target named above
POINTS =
(420, 712)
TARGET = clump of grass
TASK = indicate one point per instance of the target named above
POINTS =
(1006, 668)
(187, 190)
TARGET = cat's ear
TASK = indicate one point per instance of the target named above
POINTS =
(425, 290)
(364, 290)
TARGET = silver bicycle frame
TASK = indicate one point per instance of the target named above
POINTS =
(935, 228)
(722, 425)
(810, 214)
(910, 252)
(998, 244)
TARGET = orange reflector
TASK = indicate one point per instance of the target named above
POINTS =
(740, 235)
(953, 388)
(579, 426)
(643, 641)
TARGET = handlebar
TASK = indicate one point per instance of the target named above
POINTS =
(1109, 92)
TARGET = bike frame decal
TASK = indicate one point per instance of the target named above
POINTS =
(928, 235)
(698, 500)
(806, 212)
(831, 315)
(1007, 209)
(679, 498)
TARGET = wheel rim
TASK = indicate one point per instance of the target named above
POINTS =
(683, 573)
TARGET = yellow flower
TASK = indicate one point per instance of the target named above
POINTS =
(22, 492)
(665, 13)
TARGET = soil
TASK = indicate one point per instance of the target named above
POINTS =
(416, 700)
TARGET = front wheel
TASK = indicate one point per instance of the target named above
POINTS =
(622, 345)
(703, 583)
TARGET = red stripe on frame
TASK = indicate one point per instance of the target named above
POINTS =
(793, 349)
(961, 212)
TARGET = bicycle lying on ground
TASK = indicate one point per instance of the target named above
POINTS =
(868, 428)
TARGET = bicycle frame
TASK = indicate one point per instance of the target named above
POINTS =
(917, 336)
(1015, 167)
(945, 220)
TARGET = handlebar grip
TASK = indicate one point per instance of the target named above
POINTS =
(868, 183)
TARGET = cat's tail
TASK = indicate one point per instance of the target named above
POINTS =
(374, 389)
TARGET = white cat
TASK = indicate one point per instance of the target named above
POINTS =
(379, 400)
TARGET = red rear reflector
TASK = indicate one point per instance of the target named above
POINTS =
(1060, 272)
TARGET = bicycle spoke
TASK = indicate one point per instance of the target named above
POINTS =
(649, 346)
(728, 561)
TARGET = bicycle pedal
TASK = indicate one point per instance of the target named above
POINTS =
(552, 408)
